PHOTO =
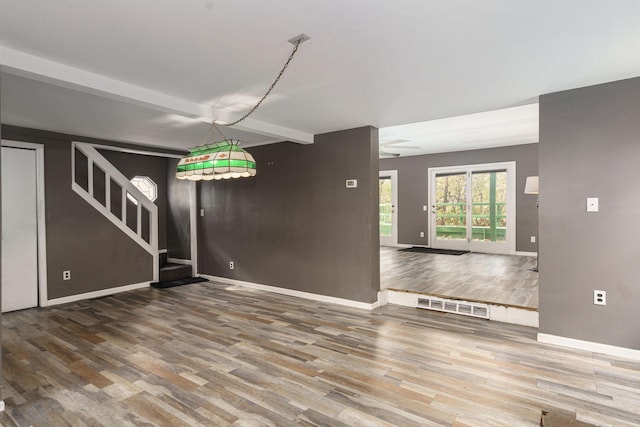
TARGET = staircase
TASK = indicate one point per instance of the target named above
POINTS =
(171, 271)
(108, 191)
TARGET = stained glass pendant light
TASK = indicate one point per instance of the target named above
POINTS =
(221, 160)
(225, 159)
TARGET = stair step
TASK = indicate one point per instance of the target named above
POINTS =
(171, 271)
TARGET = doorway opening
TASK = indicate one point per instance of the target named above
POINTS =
(24, 283)
(473, 208)
(388, 187)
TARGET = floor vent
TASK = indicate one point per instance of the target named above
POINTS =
(453, 306)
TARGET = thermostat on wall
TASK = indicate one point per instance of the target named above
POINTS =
(352, 183)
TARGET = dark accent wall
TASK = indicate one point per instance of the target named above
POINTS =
(1, 341)
(155, 168)
(413, 191)
(295, 225)
(178, 214)
(590, 147)
(80, 239)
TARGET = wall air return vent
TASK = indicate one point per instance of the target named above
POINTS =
(454, 306)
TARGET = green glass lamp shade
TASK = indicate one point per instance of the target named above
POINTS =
(221, 160)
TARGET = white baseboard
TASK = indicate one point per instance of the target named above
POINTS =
(517, 316)
(594, 347)
(523, 253)
(180, 261)
(498, 313)
(293, 293)
(97, 294)
(383, 298)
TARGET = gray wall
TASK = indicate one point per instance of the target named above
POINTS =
(1, 341)
(295, 225)
(413, 178)
(155, 168)
(178, 214)
(590, 147)
(79, 238)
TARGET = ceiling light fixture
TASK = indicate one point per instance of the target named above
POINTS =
(226, 159)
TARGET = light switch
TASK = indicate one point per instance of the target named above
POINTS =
(592, 204)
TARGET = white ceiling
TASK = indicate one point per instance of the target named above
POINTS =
(155, 71)
(507, 126)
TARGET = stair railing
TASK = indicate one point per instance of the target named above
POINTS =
(99, 196)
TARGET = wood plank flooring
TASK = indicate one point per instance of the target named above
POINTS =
(502, 279)
(218, 355)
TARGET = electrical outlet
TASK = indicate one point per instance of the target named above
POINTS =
(599, 297)
(201, 212)
(66, 275)
(533, 239)
(422, 234)
(592, 204)
(232, 265)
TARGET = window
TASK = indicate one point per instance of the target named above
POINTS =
(146, 187)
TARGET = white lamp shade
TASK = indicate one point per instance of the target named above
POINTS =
(531, 186)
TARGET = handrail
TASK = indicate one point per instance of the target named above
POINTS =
(114, 175)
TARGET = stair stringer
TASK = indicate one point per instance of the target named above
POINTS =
(113, 174)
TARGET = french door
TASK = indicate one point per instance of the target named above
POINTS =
(388, 187)
(473, 208)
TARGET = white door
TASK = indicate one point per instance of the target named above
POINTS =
(19, 229)
(388, 186)
(473, 208)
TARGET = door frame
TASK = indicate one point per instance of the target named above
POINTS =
(510, 167)
(40, 215)
(393, 174)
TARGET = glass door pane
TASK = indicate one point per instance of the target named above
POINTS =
(489, 206)
(451, 207)
(386, 207)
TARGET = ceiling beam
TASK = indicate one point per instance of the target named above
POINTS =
(22, 64)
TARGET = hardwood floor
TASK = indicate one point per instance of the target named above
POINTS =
(502, 279)
(212, 354)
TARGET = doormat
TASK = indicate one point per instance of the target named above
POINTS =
(178, 282)
(433, 251)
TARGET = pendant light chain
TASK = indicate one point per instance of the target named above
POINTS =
(225, 159)
(255, 107)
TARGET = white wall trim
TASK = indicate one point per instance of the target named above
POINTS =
(24, 64)
(293, 293)
(136, 151)
(41, 215)
(393, 239)
(523, 253)
(112, 173)
(509, 247)
(594, 347)
(514, 315)
(497, 313)
(383, 298)
(98, 294)
(179, 261)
